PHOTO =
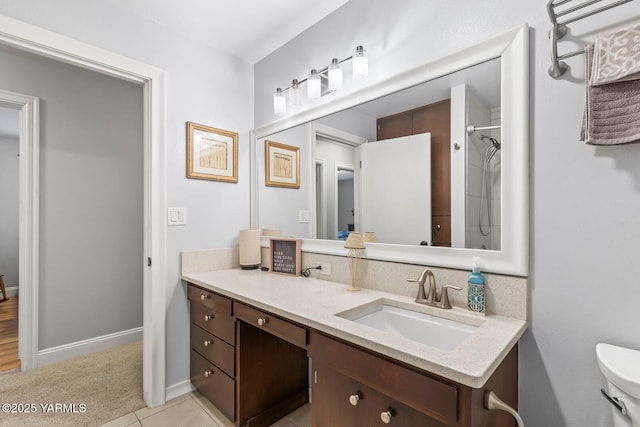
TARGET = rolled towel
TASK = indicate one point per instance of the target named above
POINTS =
(616, 56)
(612, 111)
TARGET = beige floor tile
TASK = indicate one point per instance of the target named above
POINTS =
(187, 413)
(283, 423)
(125, 421)
(147, 412)
(211, 410)
(301, 417)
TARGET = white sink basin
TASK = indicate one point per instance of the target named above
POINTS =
(424, 328)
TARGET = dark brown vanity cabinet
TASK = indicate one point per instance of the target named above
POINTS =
(213, 339)
(354, 387)
(273, 375)
(253, 366)
(250, 364)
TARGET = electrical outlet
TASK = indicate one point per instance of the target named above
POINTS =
(326, 268)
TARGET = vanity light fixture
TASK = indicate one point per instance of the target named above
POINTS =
(295, 94)
(335, 76)
(314, 85)
(279, 102)
(360, 65)
(333, 73)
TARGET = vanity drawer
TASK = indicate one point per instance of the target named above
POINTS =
(222, 326)
(222, 306)
(214, 349)
(421, 392)
(214, 384)
(274, 325)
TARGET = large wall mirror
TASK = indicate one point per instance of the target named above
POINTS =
(433, 161)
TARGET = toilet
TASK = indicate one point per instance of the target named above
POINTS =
(621, 368)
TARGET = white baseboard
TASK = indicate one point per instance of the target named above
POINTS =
(179, 389)
(81, 348)
(12, 291)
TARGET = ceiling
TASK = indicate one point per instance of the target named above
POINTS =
(247, 29)
(483, 79)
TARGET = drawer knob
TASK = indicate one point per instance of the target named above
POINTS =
(354, 399)
(207, 373)
(386, 416)
(208, 317)
(262, 321)
(438, 227)
(204, 297)
(207, 343)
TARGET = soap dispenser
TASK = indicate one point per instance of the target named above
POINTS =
(476, 301)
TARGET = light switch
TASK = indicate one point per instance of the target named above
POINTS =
(303, 217)
(177, 216)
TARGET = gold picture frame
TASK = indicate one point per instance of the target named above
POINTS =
(282, 165)
(212, 153)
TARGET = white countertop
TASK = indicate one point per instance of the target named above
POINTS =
(315, 303)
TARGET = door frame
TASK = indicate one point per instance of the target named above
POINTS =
(30, 38)
(337, 167)
(28, 246)
(317, 129)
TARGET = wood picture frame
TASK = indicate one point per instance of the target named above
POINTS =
(282, 165)
(286, 256)
(212, 154)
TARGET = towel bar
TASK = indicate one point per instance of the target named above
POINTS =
(559, 29)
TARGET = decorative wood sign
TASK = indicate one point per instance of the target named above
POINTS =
(285, 256)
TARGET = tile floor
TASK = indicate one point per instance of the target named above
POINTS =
(193, 410)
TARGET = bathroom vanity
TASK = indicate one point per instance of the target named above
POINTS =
(253, 335)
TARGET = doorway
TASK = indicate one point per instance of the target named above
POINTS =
(334, 200)
(9, 236)
(41, 42)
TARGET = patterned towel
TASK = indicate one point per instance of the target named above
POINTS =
(612, 111)
(616, 56)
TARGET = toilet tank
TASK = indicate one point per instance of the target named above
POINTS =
(621, 368)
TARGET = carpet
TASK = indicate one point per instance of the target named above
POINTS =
(85, 391)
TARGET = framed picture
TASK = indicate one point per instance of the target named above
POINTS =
(285, 255)
(211, 153)
(282, 165)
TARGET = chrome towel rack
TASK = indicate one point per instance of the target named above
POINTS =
(559, 28)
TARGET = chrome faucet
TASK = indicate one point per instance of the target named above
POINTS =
(431, 297)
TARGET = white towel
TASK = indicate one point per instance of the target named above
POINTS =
(616, 56)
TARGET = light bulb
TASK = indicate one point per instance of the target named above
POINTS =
(295, 94)
(313, 85)
(360, 64)
(335, 76)
(279, 102)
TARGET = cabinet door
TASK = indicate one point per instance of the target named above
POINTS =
(436, 119)
(340, 401)
(395, 126)
(333, 401)
(214, 384)
(441, 230)
(398, 414)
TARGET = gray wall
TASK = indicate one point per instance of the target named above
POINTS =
(584, 200)
(203, 86)
(91, 197)
(10, 209)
